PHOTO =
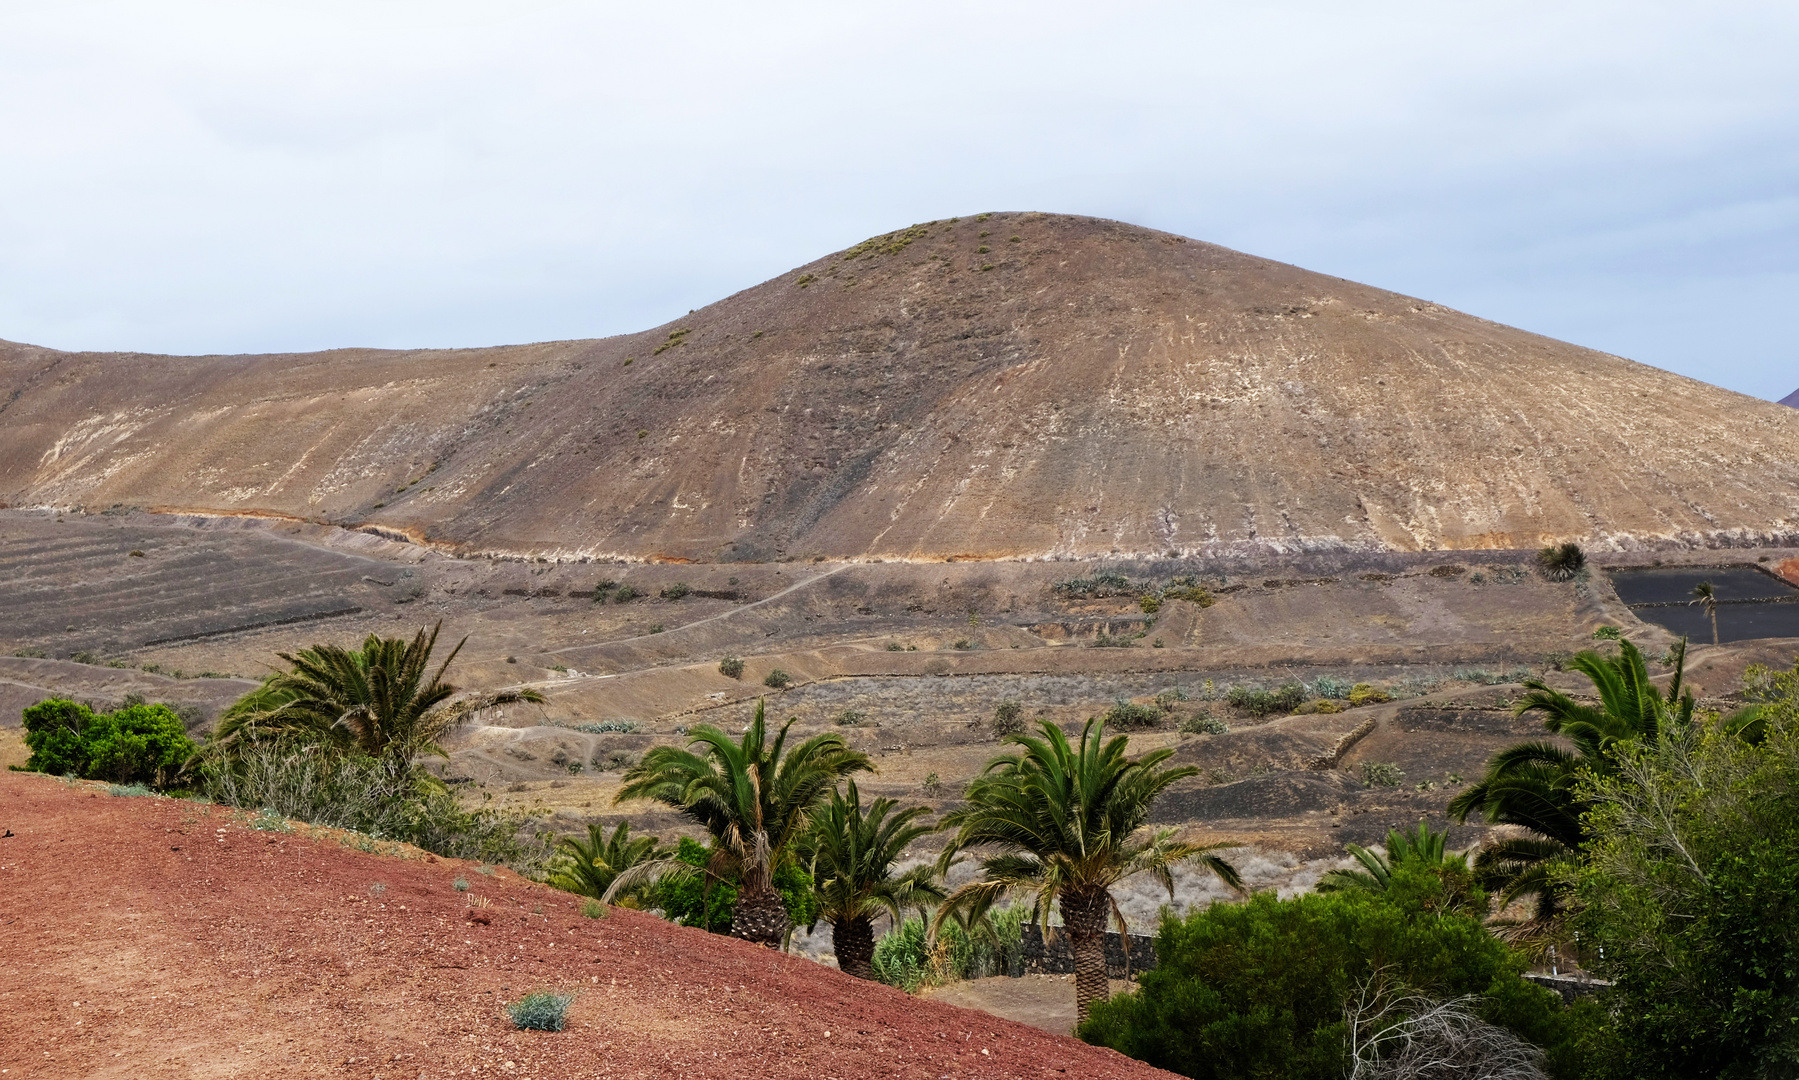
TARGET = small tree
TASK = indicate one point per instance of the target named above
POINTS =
(731, 667)
(755, 798)
(1067, 824)
(1706, 595)
(137, 744)
(589, 868)
(852, 854)
(1008, 717)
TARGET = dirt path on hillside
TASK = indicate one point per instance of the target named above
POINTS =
(145, 937)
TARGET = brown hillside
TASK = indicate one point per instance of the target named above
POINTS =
(160, 937)
(1083, 387)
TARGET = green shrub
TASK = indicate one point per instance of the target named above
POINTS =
(624, 595)
(1561, 562)
(962, 644)
(460, 884)
(905, 958)
(608, 727)
(1259, 989)
(1326, 687)
(136, 744)
(731, 667)
(1204, 724)
(540, 1011)
(1191, 593)
(1099, 585)
(383, 798)
(777, 679)
(1008, 717)
(1149, 603)
(592, 909)
(1368, 694)
(1104, 640)
(1381, 774)
(676, 591)
(1259, 703)
(1608, 633)
(689, 902)
(1128, 716)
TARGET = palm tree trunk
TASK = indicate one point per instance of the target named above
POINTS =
(854, 942)
(1714, 615)
(760, 917)
(1084, 916)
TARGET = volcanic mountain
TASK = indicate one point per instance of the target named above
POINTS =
(1009, 385)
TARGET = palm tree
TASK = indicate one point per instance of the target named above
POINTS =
(851, 853)
(754, 797)
(1532, 785)
(589, 869)
(1705, 594)
(383, 699)
(1561, 562)
(1423, 846)
(1070, 824)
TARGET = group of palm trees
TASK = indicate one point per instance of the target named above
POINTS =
(1056, 822)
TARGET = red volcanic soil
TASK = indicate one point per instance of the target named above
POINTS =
(149, 937)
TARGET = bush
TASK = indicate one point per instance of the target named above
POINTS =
(1260, 703)
(381, 797)
(1326, 687)
(1127, 716)
(1149, 603)
(540, 1011)
(1099, 585)
(676, 591)
(1561, 563)
(905, 958)
(777, 679)
(1008, 717)
(137, 744)
(731, 667)
(689, 902)
(608, 727)
(1381, 774)
(1193, 594)
(1204, 724)
(624, 595)
(1259, 989)
(1368, 694)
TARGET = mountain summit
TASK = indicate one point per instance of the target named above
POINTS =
(1008, 385)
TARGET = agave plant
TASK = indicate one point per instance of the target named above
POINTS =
(1560, 562)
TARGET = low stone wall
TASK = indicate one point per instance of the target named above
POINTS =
(1058, 959)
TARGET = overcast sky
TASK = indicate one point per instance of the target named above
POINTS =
(240, 176)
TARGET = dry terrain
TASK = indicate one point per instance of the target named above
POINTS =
(1010, 385)
(158, 937)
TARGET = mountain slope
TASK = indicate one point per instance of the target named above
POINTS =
(1082, 387)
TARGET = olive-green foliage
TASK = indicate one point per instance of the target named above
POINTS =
(384, 797)
(588, 868)
(1008, 717)
(777, 680)
(1127, 716)
(138, 743)
(1424, 849)
(1687, 900)
(1258, 702)
(731, 667)
(1367, 694)
(692, 900)
(1258, 989)
(1561, 562)
(907, 958)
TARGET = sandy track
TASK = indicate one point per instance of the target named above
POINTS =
(197, 946)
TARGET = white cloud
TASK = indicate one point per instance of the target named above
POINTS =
(243, 176)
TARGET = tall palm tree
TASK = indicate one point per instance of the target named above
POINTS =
(1705, 594)
(589, 868)
(1532, 785)
(1069, 824)
(754, 797)
(852, 852)
(382, 699)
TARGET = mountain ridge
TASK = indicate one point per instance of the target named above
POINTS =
(1014, 385)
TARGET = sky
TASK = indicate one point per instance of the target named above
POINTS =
(250, 177)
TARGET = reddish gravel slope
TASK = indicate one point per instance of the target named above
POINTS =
(154, 937)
